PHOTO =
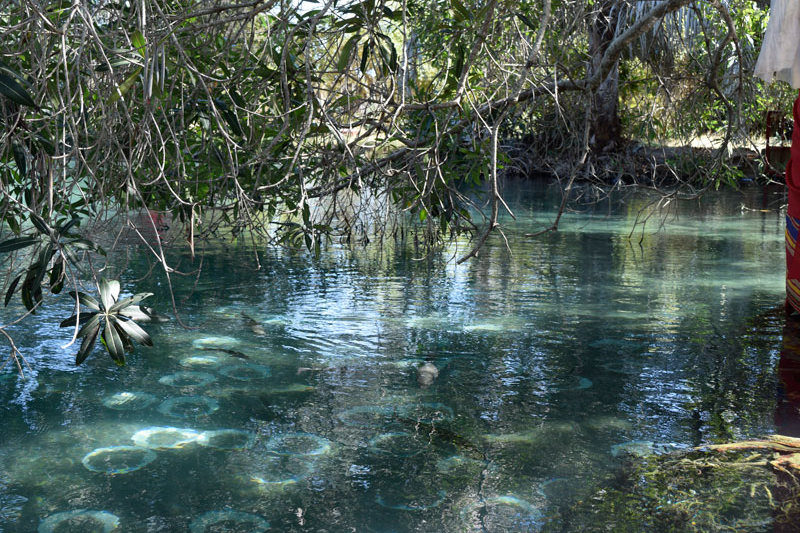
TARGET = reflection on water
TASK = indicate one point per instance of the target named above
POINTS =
(300, 404)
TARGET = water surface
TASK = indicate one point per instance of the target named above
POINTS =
(555, 362)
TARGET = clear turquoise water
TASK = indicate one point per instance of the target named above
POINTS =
(550, 360)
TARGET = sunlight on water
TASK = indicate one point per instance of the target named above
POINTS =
(375, 391)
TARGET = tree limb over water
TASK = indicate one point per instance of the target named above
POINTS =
(345, 122)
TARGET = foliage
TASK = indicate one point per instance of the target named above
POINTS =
(302, 124)
(108, 314)
(685, 491)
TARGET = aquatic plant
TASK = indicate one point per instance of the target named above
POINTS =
(129, 400)
(367, 416)
(228, 519)
(298, 444)
(80, 519)
(691, 490)
(187, 378)
(201, 361)
(118, 459)
(275, 471)
(166, 438)
(216, 342)
(399, 444)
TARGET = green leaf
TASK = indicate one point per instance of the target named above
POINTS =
(87, 345)
(28, 293)
(57, 276)
(347, 51)
(11, 89)
(76, 319)
(86, 300)
(113, 342)
(232, 120)
(528, 22)
(125, 86)
(11, 289)
(40, 224)
(138, 41)
(88, 327)
(135, 332)
(364, 57)
(19, 159)
(133, 300)
(17, 243)
(83, 244)
(45, 144)
(460, 12)
(66, 227)
(109, 292)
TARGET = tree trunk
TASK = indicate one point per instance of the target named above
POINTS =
(605, 129)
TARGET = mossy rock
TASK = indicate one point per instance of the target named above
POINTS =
(687, 491)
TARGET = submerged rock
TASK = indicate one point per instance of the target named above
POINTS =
(254, 326)
(636, 448)
(426, 374)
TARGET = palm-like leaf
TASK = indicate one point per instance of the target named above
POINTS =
(117, 329)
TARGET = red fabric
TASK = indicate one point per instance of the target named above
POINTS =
(793, 167)
(793, 217)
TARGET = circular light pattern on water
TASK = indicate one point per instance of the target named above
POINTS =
(187, 378)
(458, 463)
(229, 520)
(502, 514)
(129, 400)
(165, 438)
(367, 416)
(429, 413)
(118, 459)
(282, 470)
(245, 372)
(188, 406)
(298, 444)
(227, 439)
(399, 444)
(216, 342)
(79, 521)
(201, 361)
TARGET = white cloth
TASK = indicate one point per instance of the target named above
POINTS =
(780, 50)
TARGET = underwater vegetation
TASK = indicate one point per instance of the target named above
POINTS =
(80, 520)
(693, 490)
